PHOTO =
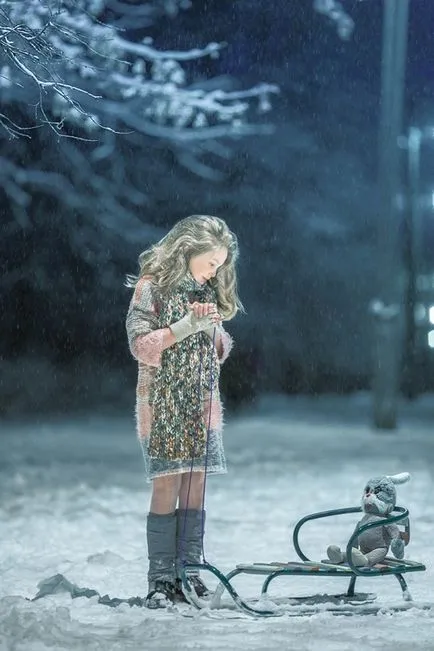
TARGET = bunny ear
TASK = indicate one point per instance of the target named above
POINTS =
(400, 478)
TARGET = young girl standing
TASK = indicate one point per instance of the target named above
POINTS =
(185, 288)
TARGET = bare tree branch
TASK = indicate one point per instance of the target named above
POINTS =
(107, 100)
(75, 64)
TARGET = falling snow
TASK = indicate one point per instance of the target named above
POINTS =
(74, 501)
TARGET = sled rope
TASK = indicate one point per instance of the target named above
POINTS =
(211, 386)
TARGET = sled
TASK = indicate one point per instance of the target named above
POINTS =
(347, 603)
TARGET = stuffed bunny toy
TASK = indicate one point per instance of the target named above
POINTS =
(372, 546)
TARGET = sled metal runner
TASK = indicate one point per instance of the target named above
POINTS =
(348, 603)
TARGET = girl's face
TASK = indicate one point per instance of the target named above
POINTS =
(205, 266)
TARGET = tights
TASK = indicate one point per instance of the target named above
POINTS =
(183, 490)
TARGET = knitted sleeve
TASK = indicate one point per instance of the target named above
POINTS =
(145, 338)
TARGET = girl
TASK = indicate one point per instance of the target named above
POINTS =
(186, 287)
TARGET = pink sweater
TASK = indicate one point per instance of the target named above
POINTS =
(146, 345)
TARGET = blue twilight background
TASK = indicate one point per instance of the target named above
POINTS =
(301, 199)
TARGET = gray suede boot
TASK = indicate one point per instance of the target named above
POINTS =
(189, 536)
(161, 535)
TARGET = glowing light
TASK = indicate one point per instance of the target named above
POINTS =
(431, 314)
(431, 338)
(420, 313)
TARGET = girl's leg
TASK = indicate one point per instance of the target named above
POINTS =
(191, 490)
(161, 535)
(190, 524)
(165, 492)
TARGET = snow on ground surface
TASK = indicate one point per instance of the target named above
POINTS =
(73, 500)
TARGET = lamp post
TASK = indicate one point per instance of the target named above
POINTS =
(388, 308)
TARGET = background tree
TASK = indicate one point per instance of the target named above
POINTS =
(108, 136)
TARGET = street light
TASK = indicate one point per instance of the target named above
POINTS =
(389, 313)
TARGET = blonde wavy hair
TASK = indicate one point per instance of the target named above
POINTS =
(167, 261)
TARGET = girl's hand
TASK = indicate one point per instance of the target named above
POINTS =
(206, 309)
(200, 317)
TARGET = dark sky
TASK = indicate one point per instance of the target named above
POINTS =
(279, 33)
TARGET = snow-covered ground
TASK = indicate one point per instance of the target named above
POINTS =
(73, 500)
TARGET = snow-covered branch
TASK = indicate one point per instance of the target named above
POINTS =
(117, 104)
(60, 57)
(144, 14)
(336, 12)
